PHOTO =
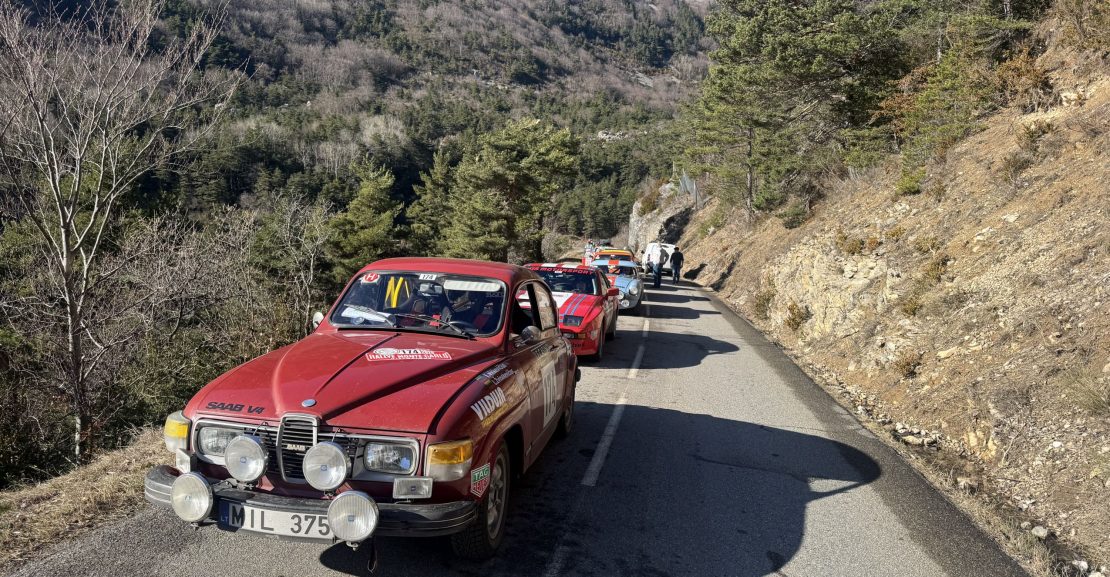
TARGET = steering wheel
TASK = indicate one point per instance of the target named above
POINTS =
(464, 325)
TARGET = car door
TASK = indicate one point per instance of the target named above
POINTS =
(611, 306)
(550, 361)
(533, 306)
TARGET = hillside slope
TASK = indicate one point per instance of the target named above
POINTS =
(972, 320)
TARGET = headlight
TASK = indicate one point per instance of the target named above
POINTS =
(191, 497)
(325, 466)
(572, 321)
(390, 458)
(634, 289)
(212, 441)
(353, 516)
(449, 461)
(176, 431)
(246, 458)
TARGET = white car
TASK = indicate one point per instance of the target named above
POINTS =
(651, 252)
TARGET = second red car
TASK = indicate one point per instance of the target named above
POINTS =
(587, 305)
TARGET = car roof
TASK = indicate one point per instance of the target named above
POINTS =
(511, 274)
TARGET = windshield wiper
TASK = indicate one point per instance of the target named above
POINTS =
(429, 320)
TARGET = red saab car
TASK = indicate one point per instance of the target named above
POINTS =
(408, 411)
(587, 305)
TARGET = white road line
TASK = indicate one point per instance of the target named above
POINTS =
(559, 556)
(602, 451)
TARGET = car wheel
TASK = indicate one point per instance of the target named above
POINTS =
(481, 538)
(566, 422)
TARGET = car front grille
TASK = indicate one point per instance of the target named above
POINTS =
(296, 435)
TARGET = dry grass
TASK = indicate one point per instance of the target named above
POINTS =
(797, 315)
(1091, 390)
(109, 488)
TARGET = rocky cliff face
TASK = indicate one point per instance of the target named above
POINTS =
(972, 319)
(661, 216)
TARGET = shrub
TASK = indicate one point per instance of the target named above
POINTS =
(650, 201)
(910, 182)
(763, 299)
(926, 244)
(907, 363)
(910, 304)
(794, 215)
(895, 233)
(872, 243)
(797, 315)
(1023, 83)
(934, 269)
(848, 244)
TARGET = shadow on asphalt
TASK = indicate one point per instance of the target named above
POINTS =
(688, 507)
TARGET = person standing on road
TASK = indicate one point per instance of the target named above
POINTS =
(676, 263)
(657, 270)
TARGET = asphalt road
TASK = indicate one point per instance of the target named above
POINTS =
(699, 449)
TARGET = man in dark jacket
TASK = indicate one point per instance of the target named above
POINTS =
(676, 263)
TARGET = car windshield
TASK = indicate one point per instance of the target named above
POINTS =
(582, 281)
(423, 301)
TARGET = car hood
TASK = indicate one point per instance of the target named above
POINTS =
(622, 281)
(367, 380)
(576, 304)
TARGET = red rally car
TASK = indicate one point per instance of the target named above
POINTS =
(408, 411)
(587, 305)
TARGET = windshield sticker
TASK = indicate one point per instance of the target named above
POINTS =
(371, 278)
(479, 480)
(407, 355)
(428, 276)
(470, 285)
(489, 404)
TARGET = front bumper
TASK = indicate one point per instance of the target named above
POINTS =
(395, 519)
(629, 300)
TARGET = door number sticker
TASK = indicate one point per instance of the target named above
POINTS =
(550, 396)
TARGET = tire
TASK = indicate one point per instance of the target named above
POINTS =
(480, 540)
(566, 422)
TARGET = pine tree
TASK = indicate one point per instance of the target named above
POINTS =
(429, 214)
(365, 231)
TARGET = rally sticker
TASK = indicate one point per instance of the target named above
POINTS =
(428, 276)
(497, 374)
(479, 480)
(489, 403)
(371, 278)
(407, 355)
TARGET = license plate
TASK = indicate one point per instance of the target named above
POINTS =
(283, 523)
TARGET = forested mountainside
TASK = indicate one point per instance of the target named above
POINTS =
(922, 222)
(337, 132)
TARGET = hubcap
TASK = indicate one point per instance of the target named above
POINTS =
(495, 509)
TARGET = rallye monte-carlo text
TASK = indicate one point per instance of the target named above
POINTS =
(408, 411)
(587, 305)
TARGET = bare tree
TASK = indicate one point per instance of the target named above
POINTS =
(90, 102)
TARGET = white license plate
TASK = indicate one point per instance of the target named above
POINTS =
(249, 518)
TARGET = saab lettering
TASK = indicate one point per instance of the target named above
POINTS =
(235, 408)
(489, 403)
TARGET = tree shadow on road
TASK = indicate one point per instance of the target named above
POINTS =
(680, 494)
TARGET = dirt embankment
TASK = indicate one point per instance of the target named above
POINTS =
(971, 320)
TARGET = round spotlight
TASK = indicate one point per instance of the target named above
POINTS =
(246, 458)
(325, 466)
(191, 497)
(353, 516)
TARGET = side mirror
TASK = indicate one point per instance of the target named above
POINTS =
(530, 334)
(317, 318)
(613, 292)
